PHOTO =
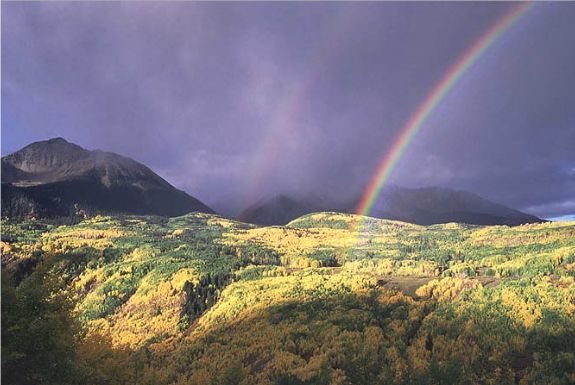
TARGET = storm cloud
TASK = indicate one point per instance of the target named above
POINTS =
(236, 101)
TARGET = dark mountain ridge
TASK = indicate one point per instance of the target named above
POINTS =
(431, 205)
(278, 210)
(424, 206)
(56, 178)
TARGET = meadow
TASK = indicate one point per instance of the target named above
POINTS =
(329, 298)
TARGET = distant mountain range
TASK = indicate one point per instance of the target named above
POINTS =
(423, 206)
(279, 210)
(432, 205)
(56, 178)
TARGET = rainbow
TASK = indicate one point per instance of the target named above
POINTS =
(284, 117)
(430, 103)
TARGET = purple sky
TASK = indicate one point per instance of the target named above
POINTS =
(233, 102)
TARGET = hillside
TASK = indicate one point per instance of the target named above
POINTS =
(56, 178)
(278, 210)
(424, 206)
(329, 299)
(431, 205)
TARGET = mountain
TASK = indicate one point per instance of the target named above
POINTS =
(207, 300)
(432, 205)
(278, 210)
(56, 178)
(422, 206)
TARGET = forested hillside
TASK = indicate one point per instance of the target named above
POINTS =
(328, 299)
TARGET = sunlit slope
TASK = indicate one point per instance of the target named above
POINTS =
(313, 327)
(329, 298)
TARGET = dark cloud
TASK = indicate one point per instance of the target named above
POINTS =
(235, 101)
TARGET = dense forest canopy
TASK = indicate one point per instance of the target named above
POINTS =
(328, 299)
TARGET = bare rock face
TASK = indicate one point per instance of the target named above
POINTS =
(57, 177)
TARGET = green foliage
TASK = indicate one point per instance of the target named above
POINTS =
(329, 299)
(202, 296)
(38, 333)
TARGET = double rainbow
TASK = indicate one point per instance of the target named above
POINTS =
(433, 99)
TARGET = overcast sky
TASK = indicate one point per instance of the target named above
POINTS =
(233, 102)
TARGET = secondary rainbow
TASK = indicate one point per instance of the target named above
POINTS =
(433, 99)
(284, 118)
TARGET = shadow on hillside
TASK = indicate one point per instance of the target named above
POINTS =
(381, 337)
(368, 339)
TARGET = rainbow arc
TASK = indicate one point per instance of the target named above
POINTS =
(418, 119)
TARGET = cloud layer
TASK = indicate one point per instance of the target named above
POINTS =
(233, 102)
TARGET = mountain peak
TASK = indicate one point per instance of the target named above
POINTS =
(279, 209)
(53, 143)
(55, 168)
(425, 206)
(57, 139)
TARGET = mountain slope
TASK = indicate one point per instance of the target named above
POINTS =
(422, 206)
(432, 205)
(206, 300)
(56, 178)
(278, 210)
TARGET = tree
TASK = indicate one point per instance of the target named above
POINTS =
(38, 333)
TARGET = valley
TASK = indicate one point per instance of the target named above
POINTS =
(329, 298)
(287, 193)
